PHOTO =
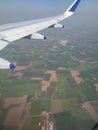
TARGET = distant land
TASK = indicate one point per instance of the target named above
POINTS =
(59, 75)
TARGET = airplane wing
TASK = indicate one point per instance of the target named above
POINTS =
(13, 32)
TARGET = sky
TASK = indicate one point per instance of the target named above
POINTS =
(21, 10)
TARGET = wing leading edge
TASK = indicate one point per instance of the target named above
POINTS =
(17, 31)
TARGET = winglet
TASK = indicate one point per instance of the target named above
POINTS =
(73, 7)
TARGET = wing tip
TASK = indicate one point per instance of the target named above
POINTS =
(74, 6)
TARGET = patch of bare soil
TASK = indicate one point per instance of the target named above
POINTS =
(64, 42)
(14, 115)
(74, 58)
(93, 62)
(91, 111)
(61, 69)
(96, 85)
(36, 78)
(17, 114)
(54, 47)
(82, 61)
(45, 85)
(75, 75)
(53, 77)
(19, 75)
(10, 101)
(21, 68)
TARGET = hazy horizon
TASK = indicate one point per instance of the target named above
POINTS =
(21, 10)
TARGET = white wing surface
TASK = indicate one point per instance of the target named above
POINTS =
(13, 32)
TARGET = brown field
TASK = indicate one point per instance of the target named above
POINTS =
(37, 78)
(45, 85)
(62, 69)
(91, 111)
(18, 74)
(96, 85)
(21, 68)
(57, 106)
(82, 61)
(17, 114)
(53, 77)
(14, 115)
(74, 58)
(8, 102)
(94, 62)
(54, 47)
(64, 42)
(75, 75)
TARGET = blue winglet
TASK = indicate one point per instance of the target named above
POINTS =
(73, 7)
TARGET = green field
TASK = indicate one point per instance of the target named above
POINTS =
(64, 97)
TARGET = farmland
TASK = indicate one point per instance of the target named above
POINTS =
(59, 78)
